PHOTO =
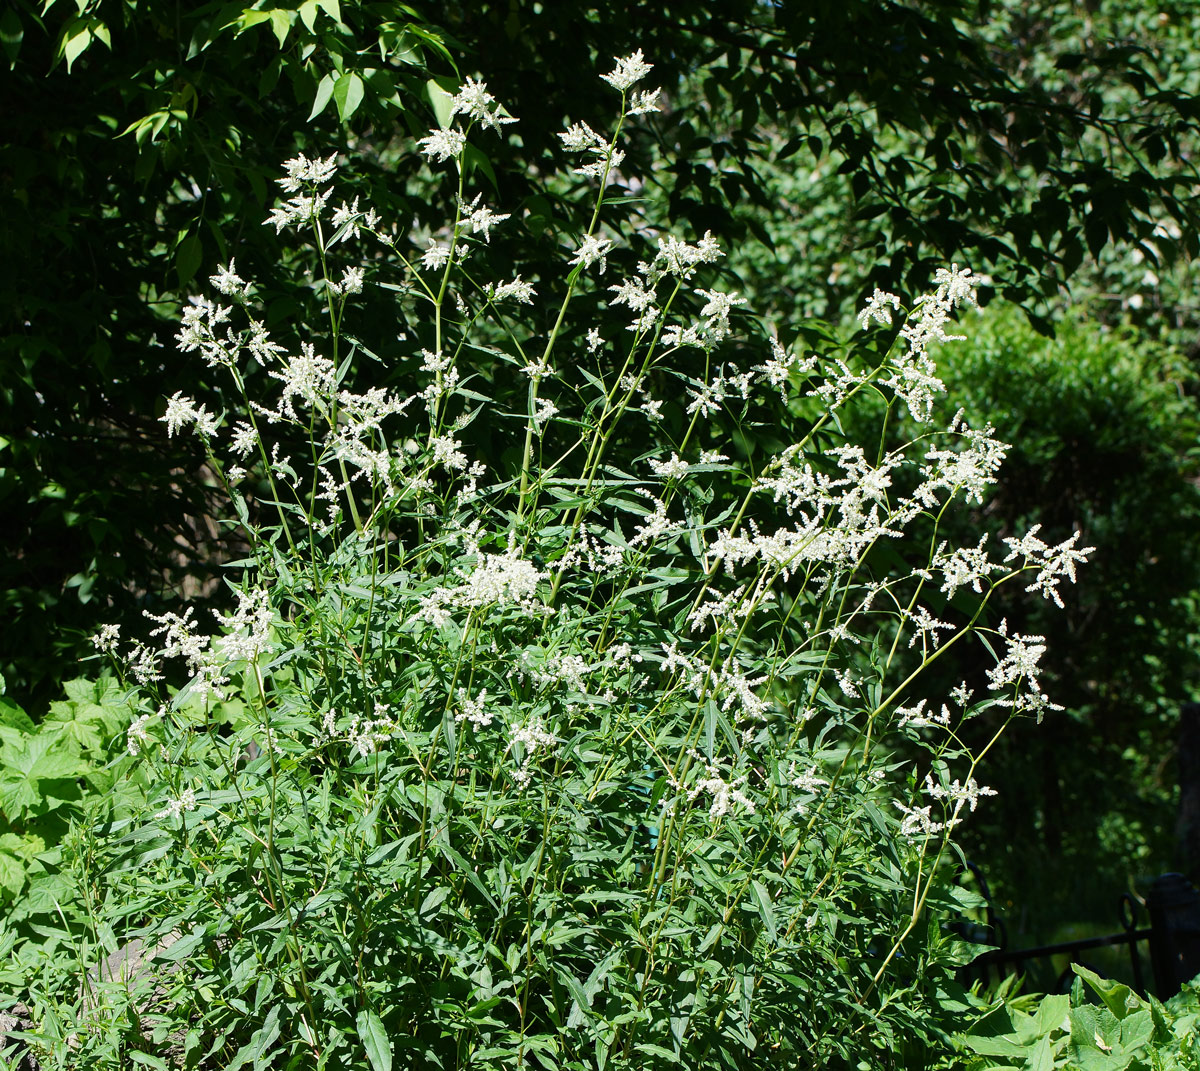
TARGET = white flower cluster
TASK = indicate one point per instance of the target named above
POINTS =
(105, 641)
(957, 794)
(674, 468)
(925, 628)
(971, 469)
(182, 640)
(136, 735)
(507, 580)
(1053, 563)
(914, 379)
(182, 411)
(533, 737)
(475, 711)
(629, 70)
(726, 794)
(917, 717)
(365, 736)
(918, 822)
(249, 625)
(185, 801)
(478, 106)
(592, 250)
(838, 516)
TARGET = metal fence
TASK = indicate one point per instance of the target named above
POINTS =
(1172, 905)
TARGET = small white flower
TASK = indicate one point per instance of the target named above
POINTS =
(174, 808)
(352, 281)
(581, 137)
(347, 216)
(597, 168)
(302, 171)
(443, 145)
(546, 410)
(299, 209)
(475, 102)
(228, 282)
(917, 823)
(482, 219)
(671, 469)
(435, 256)
(473, 710)
(719, 305)
(645, 100)
(245, 439)
(594, 249)
(652, 408)
(182, 411)
(627, 71)
(955, 287)
(518, 290)
(105, 641)
(878, 308)
(594, 341)
(136, 735)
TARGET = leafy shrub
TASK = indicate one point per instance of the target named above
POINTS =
(1101, 1026)
(556, 722)
(45, 771)
(1104, 427)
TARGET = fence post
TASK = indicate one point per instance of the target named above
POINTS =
(1187, 826)
(1174, 907)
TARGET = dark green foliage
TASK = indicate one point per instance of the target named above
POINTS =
(46, 771)
(1103, 428)
(1101, 1026)
(943, 147)
(130, 169)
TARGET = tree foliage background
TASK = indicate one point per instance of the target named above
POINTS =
(836, 146)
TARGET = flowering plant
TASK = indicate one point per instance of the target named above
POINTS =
(554, 727)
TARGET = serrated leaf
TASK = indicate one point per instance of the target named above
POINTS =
(14, 717)
(12, 873)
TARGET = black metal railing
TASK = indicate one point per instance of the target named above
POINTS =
(1172, 938)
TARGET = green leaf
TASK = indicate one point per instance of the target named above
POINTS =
(323, 96)
(181, 949)
(375, 1040)
(441, 91)
(12, 873)
(262, 1039)
(762, 898)
(76, 38)
(14, 717)
(12, 32)
(43, 761)
(188, 257)
(17, 796)
(348, 93)
(281, 23)
(1118, 998)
